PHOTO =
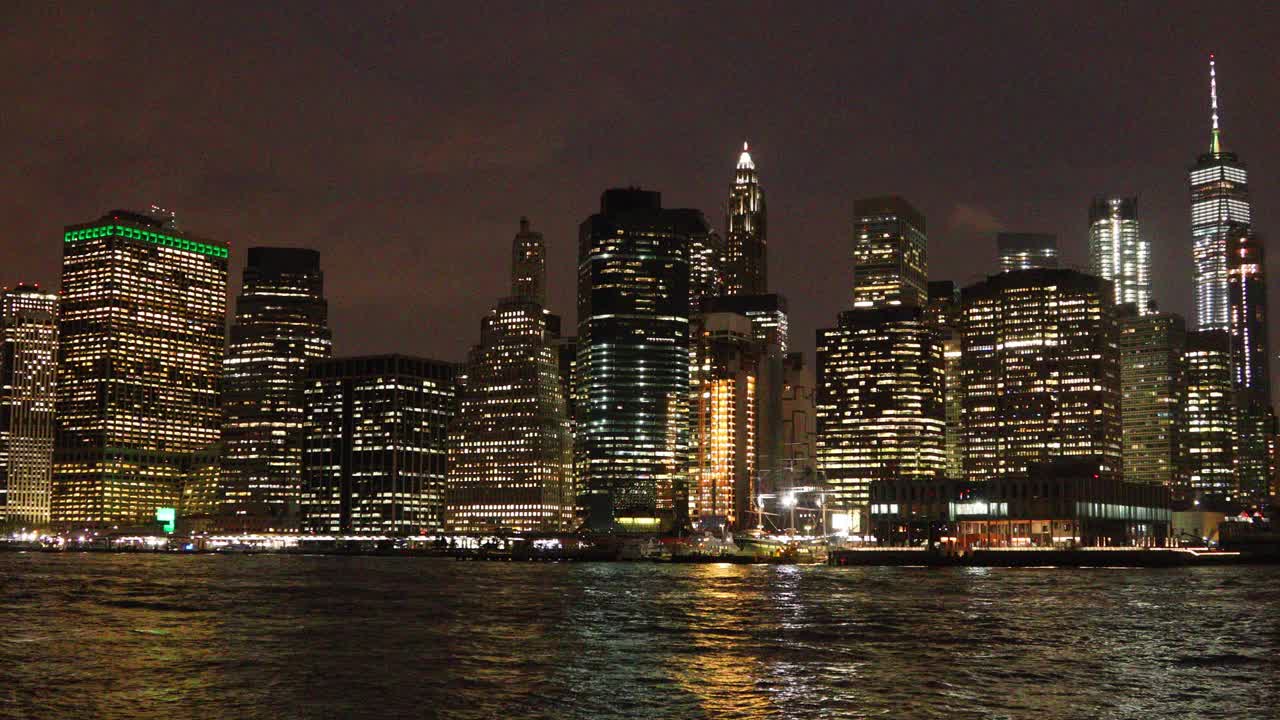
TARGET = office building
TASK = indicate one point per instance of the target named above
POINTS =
(529, 265)
(746, 230)
(281, 323)
(510, 451)
(1209, 416)
(1117, 251)
(142, 321)
(374, 454)
(943, 315)
(633, 358)
(1219, 210)
(768, 314)
(1025, 250)
(880, 407)
(728, 362)
(1040, 371)
(799, 416)
(1250, 365)
(888, 253)
(706, 271)
(28, 367)
(1153, 379)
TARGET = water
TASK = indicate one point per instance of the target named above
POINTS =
(274, 637)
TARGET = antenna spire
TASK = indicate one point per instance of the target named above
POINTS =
(1215, 143)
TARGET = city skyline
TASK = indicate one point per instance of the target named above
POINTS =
(384, 225)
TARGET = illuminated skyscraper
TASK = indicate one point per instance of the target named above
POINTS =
(1041, 372)
(1024, 251)
(142, 321)
(706, 272)
(633, 357)
(374, 454)
(281, 323)
(888, 254)
(510, 452)
(1153, 378)
(1117, 251)
(28, 365)
(1219, 210)
(728, 364)
(1250, 364)
(879, 401)
(1209, 415)
(943, 315)
(746, 247)
(529, 265)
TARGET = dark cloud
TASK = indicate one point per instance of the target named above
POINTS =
(405, 140)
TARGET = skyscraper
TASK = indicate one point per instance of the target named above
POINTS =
(888, 253)
(1041, 372)
(706, 271)
(879, 401)
(746, 227)
(1117, 251)
(142, 318)
(510, 452)
(28, 365)
(1152, 374)
(1024, 251)
(1219, 210)
(633, 357)
(281, 323)
(1209, 415)
(725, 398)
(1250, 364)
(529, 265)
(374, 454)
(943, 315)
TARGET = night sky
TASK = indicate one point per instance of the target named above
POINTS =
(405, 141)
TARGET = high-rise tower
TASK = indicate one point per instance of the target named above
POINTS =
(529, 265)
(281, 323)
(633, 357)
(510, 454)
(1117, 251)
(142, 322)
(889, 254)
(1219, 209)
(747, 230)
(1024, 250)
(28, 364)
(1250, 364)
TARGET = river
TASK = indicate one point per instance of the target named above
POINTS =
(275, 637)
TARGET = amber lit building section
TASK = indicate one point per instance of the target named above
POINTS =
(1209, 416)
(1152, 374)
(510, 451)
(728, 361)
(28, 367)
(143, 314)
(1040, 371)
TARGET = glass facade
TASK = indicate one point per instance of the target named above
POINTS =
(1209, 415)
(1117, 251)
(1024, 251)
(281, 324)
(374, 457)
(142, 322)
(888, 254)
(1154, 382)
(28, 366)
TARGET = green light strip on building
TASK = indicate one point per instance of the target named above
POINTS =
(147, 236)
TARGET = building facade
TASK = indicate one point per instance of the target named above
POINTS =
(746, 231)
(1153, 378)
(1250, 365)
(633, 358)
(281, 324)
(1209, 416)
(1219, 210)
(510, 449)
(1040, 372)
(1117, 251)
(374, 455)
(889, 245)
(28, 368)
(1024, 251)
(142, 320)
(880, 410)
